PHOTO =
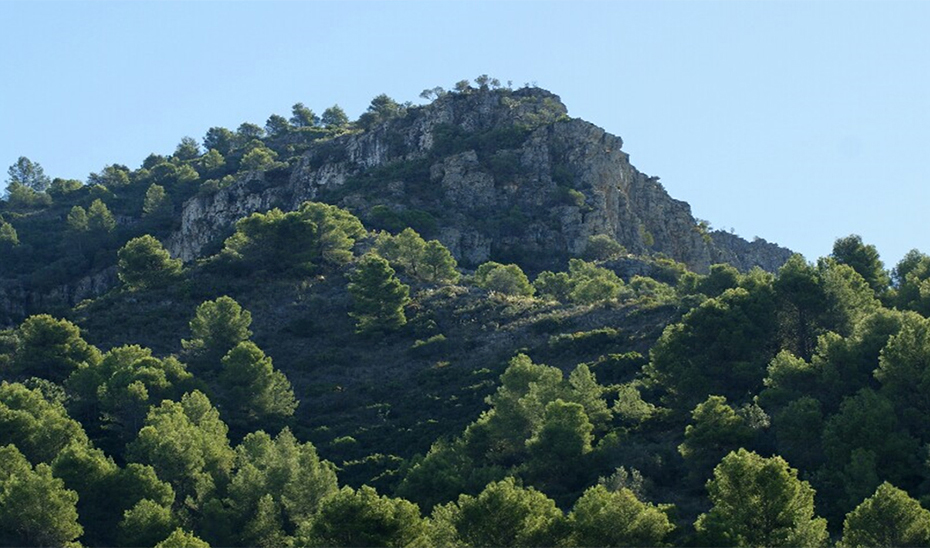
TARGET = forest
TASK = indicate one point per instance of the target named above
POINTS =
(321, 378)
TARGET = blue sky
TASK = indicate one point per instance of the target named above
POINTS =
(798, 122)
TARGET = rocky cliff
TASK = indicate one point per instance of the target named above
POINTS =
(495, 175)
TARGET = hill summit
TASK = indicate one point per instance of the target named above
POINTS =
(494, 174)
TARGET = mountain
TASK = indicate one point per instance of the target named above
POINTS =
(494, 175)
(587, 363)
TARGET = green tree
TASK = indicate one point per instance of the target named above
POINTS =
(112, 177)
(602, 248)
(378, 296)
(847, 364)
(106, 492)
(258, 159)
(289, 473)
(864, 259)
(888, 518)
(77, 220)
(275, 240)
(517, 411)
(220, 139)
(559, 448)
(8, 237)
(247, 132)
(38, 427)
(146, 524)
(337, 231)
(849, 297)
(35, 507)
(427, 261)
(584, 390)
(265, 528)
(29, 174)
(182, 539)
(217, 327)
(715, 430)
(61, 187)
(187, 174)
(404, 251)
(51, 349)
(277, 125)
(155, 201)
(617, 518)
(912, 277)
(504, 514)
(904, 373)
(592, 283)
(361, 517)
(99, 218)
(188, 149)
(145, 264)
(334, 118)
(303, 116)
(863, 444)
(381, 109)
(721, 347)
(798, 432)
(129, 380)
(444, 473)
(254, 392)
(211, 164)
(153, 160)
(438, 265)
(302, 240)
(553, 285)
(506, 279)
(185, 442)
(802, 302)
(720, 278)
(21, 197)
(759, 502)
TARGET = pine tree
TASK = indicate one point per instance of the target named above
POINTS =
(99, 218)
(379, 297)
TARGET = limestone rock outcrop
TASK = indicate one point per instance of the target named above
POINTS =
(504, 175)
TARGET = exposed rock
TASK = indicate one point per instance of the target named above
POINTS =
(729, 248)
(17, 302)
(508, 176)
(465, 184)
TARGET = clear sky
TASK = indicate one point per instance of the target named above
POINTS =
(798, 122)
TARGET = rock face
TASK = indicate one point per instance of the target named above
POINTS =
(16, 302)
(494, 175)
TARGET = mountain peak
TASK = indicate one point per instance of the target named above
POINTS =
(494, 174)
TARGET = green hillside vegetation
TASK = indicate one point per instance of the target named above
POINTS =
(322, 380)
